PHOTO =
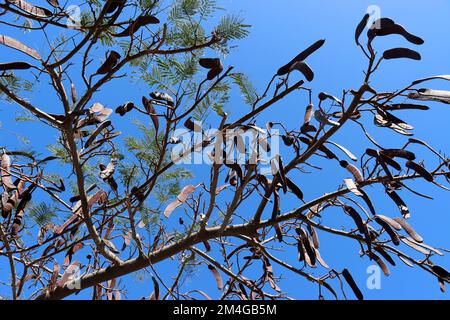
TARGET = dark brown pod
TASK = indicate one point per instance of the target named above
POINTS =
(392, 234)
(304, 69)
(360, 28)
(14, 66)
(113, 5)
(399, 153)
(417, 168)
(295, 190)
(162, 97)
(406, 106)
(357, 219)
(394, 28)
(389, 161)
(300, 57)
(385, 255)
(123, 109)
(133, 27)
(110, 62)
(209, 63)
(151, 111)
(351, 282)
(441, 272)
(380, 263)
(214, 72)
(398, 201)
(398, 53)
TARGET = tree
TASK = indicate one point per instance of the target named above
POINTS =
(68, 210)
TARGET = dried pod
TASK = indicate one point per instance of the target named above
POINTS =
(392, 222)
(152, 112)
(123, 109)
(380, 263)
(415, 246)
(322, 118)
(293, 187)
(385, 255)
(300, 57)
(309, 249)
(398, 53)
(181, 198)
(324, 96)
(360, 28)
(31, 9)
(209, 63)
(308, 114)
(288, 140)
(392, 234)
(314, 236)
(304, 69)
(110, 62)
(420, 170)
(399, 202)
(5, 173)
(406, 106)
(133, 27)
(113, 5)
(14, 66)
(217, 276)
(431, 95)
(357, 175)
(399, 153)
(14, 44)
(405, 225)
(441, 272)
(389, 27)
(358, 221)
(351, 282)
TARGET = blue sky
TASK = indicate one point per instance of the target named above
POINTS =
(280, 29)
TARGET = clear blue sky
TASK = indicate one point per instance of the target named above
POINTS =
(280, 29)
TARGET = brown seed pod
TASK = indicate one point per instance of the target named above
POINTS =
(389, 161)
(360, 28)
(357, 175)
(14, 66)
(385, 255)
(399, 153)
(314, 236)
(110, 62)
(409, 229)
(308, 114)
(406, 106)
(276, 205)
(441, 272)
(309, 249)
(181, 198)
(380, 263)
(304, 69)
(392, 222)
(398, 53)
(351, 282)
(300, 57)
(5, 173)
(133, 27)
(113, 5)
(217, 276)
(14, 44)
(209, 63)
(392, 234)
(214, 72)
(415, 246)
(31, 9)
(420, 170)
(152, 112)
(97, 131)
(399, 202)
(389, 27)
(441, 96)
(164, 97)
(293, 187)
(123, 109)
(358, 221)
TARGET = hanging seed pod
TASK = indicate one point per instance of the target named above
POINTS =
(152, 112)
(53, 3)
(110, 62)
(308, 114)
(389, 27)
(322, 118)
(123, 109)
(113, 5)
(425, 246)
(304, 69)
(441, 272)
(385, 255)
(405, 225)
(392, 234)
(133, 27)
(406, 106)
(14, 66)
(309, 250)
(415, 246)
(209, 63)
(31, 9)
(181, 198)
(420, 170)
(357, 219)
(162, 97)
(441, 285)
(276, 205)
(360, 28)
(5, 172)
(190, 125)
(300, 57)
(293, 187)
(380, 263)
(214, 72)
(347, 152)
(392, 222)
(357, 175)
(324, 96)
(431, 95)
(314, 236)
(14, 44)
(389, 161)
(398, 53)
(351, 282)
(288, 140)
(217, 276)
(399, 153)
(399, 202)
